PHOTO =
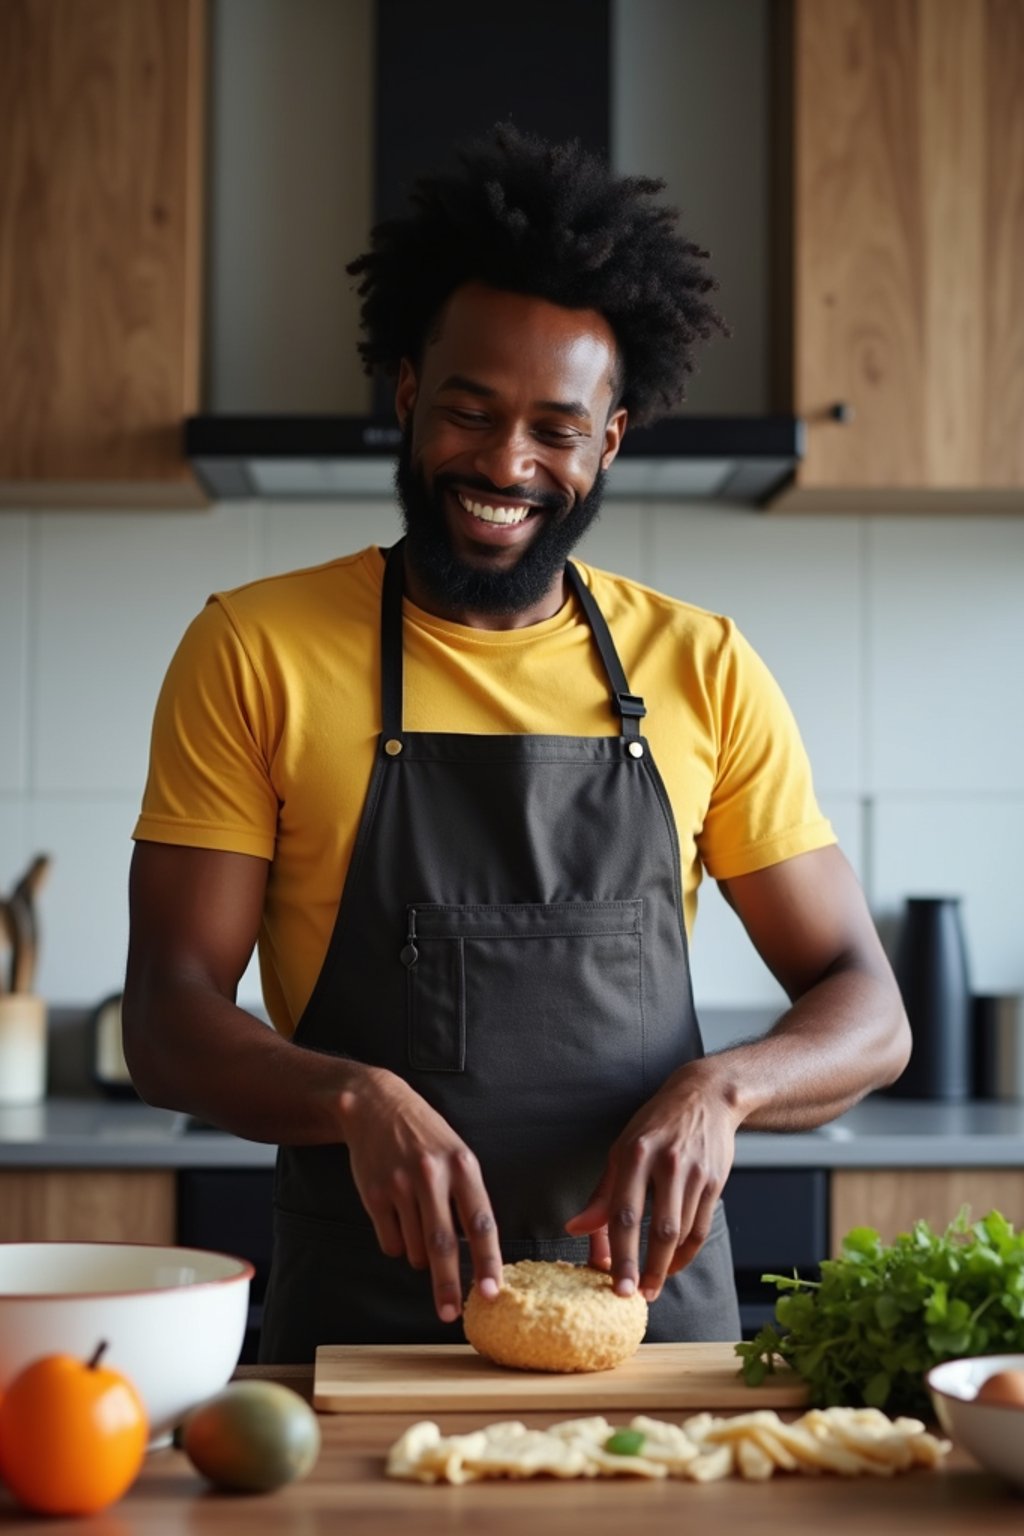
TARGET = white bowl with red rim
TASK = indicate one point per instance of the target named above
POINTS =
(173, 1318)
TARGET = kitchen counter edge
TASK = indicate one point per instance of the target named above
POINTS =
(881, 1132)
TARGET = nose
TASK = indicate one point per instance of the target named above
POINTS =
(505, 456)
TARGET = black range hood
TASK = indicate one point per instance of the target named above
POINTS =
(742, 459)
(451, 69)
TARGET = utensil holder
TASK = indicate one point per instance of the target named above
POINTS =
(23, 1018)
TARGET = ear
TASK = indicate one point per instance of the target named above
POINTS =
(405, 391)
(614, 431)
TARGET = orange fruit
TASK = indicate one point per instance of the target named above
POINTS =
(72, 1435)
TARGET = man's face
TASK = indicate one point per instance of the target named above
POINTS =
(508, 427)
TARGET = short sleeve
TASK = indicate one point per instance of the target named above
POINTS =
(763, 807)
(209, 783)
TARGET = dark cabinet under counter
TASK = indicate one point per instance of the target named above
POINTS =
(778, 1221)
(230, 1211)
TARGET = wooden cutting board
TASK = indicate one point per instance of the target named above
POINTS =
(438, 1378)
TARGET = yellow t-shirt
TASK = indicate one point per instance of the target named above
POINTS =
(268, 718)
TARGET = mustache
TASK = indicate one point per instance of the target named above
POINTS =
(545, 501)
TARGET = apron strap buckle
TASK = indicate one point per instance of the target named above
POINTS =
(630, 706)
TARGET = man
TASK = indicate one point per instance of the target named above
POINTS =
(461, 791)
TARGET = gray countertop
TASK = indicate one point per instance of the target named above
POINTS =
(881, 1132)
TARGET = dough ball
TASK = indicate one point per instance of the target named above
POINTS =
(553, 1316)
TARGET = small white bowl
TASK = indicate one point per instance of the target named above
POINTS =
(993, 1433)
(173, 1318)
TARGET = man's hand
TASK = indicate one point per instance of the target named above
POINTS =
(844, 1034)
(410, 1169)
(678, 1148)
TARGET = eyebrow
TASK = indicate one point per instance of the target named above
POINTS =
(459, 381)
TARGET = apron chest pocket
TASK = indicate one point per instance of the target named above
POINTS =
(524, 990)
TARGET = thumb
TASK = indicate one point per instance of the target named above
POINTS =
(595, 1213)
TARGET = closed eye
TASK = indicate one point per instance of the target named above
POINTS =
(559, 434)
(468, 418)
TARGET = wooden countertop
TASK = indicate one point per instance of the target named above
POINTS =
(347, 1494)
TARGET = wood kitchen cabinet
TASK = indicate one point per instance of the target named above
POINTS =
(40, 1205)
(892, 1201)
(100, 246)
(901, 218)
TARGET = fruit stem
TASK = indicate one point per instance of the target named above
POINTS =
(101, 1350)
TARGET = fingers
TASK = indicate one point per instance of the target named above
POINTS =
(412, 1215)
(695, 1234)
(594, 1214)
(435, 1194)
(683, 1196)
(477, 1221)
(625, 1211)
(392, 1210)
(414, 1175)
(666, 1221)
(600, 1249)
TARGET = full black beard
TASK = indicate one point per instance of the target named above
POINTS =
(453, 583)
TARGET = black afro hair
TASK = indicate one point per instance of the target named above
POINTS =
(527, 216)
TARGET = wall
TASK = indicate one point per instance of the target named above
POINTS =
(897, 641)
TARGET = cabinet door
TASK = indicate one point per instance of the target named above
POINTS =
(100, 185)
(41, 1205)
(891, 1201)
(907, 261)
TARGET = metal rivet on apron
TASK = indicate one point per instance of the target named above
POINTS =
(635, 749)
(392, 747)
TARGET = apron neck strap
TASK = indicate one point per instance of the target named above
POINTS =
(391, 642)
(629, 706)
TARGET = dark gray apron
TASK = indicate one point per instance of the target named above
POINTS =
(509, 941)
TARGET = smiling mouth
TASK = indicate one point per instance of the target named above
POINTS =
(488, 514)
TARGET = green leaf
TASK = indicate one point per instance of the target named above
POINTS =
(877, 1389)
(862, 1240)
(888, 1311)
(625, 1442)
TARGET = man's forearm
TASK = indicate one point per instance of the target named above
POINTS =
(843, 1038)
(188, 1048)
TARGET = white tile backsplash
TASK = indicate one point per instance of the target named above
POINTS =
(114, 593)
(727, 970)
(945, 655)
(897, 642)
(794, 586)
(83, 906)
(14, 568)
(14, 842)
(309, 533)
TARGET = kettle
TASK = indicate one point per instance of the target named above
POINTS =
(109, 1068)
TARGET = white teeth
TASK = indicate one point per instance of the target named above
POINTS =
(495, 514)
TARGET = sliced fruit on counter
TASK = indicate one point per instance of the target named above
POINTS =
(252, 1437)
(849, 1442)
(73, 1435)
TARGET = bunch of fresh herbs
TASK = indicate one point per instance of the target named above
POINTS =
(883, 1314)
